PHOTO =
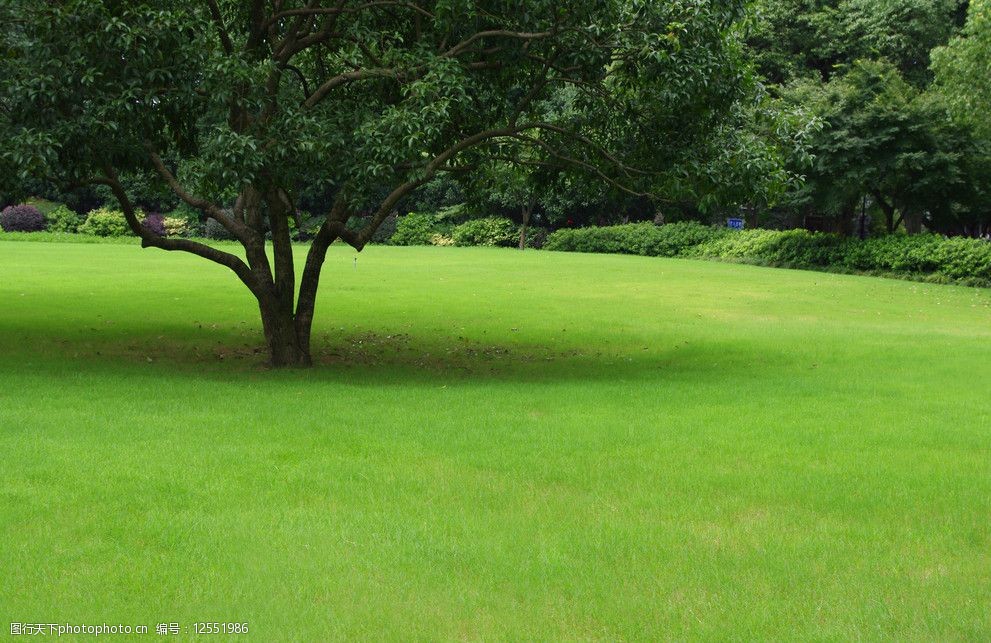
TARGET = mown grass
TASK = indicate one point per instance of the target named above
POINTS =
(495, 445)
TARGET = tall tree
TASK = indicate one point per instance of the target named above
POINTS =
(259, 98)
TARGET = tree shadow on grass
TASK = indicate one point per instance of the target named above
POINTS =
(375, 358)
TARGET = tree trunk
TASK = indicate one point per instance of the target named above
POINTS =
(527, 209)
(889, 212)
(913, 221)
(287, 346)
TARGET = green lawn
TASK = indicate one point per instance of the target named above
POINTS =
(495, 445)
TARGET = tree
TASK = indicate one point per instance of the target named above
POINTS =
(885, 140)
(237, 105)
(795, 39)
(963, 71)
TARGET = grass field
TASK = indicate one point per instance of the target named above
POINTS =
(495, 445)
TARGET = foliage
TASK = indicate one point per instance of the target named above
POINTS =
(22, 218)
(44, 206)
(62, 219)
(178, 226)
(154, 222)
(795, 248)
(536, 237)
(489, 231)
(962, 68)
(258, 104)
(441, 240)
(815, 39)
(647, 239)
(105, 222)
(895, 253)
(956, 258)
(885, 140)
(213, 229)
(415, 229)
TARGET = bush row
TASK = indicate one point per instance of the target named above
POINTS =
(927, 255)
(413, 229)
(422, 229)
(644, 239)
(37, 215)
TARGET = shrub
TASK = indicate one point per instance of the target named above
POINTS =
(894, 253)
(963, 258)
(62, 219)
(184, 221)
(215, 230)
(415, 229)
(22, 218)
(926, 256)
(490, 231)
(155, 222)
(798, 248)
(646, 239)
(104, 222)
(44, 206)
(438, 239)
(178, 226)
(536, 237)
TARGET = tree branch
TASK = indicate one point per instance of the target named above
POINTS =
(218, 19)
(242, 232)
(150, 239)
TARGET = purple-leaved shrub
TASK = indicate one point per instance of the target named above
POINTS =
(22, 218)
(155, 222)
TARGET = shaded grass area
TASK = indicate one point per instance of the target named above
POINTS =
(495, 444)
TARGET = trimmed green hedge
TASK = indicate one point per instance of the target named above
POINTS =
(490, 231)
(927, 256)
(797, 248)
(635, 238)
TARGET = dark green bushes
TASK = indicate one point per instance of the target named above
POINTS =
(929, 257)
(635, 238)
(793, 248)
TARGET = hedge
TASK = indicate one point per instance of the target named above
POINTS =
(927, 256)
(635, 239)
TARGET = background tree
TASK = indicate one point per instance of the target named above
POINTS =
(963, 68)
(237, 105)
(884, 140)
(815, 39)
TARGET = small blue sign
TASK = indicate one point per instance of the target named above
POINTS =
(735, 224)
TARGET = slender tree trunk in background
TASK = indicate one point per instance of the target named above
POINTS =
(846, 221)
(889, 213)
(752, 217)
(527, 210)
(913, 221)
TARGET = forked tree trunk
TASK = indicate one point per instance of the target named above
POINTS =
(288, 342)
